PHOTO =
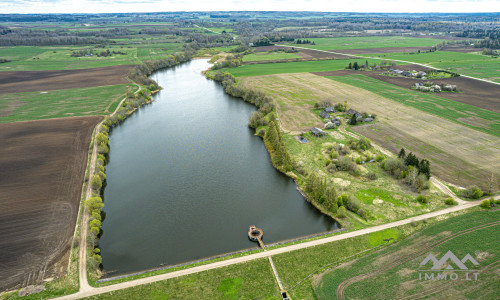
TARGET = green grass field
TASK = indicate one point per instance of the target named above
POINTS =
(442, 107)
(252, 280)
(464, 63)
(58, 58)
(402, 280)
(92, 101)
(269, 56)
(293, 67)
(368, 42)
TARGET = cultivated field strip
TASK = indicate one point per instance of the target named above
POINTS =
(346, 283)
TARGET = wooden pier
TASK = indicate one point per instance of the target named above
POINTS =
(255, 234)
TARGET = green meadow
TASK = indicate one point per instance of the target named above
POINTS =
(91, 101)
(269, 56)
(294, 67)
(368, 42)
(59, 58)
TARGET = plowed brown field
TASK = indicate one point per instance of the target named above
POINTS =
(37, 81)
(42, 167)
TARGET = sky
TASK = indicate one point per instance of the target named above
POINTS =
(123, 6)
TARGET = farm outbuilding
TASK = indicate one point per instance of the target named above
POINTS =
(324, 115)
(317, 132)
(330, 110)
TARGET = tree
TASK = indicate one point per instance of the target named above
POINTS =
(402, 153)
(353, 120)
(341, 212)
(492, 184)
(424, 167)
(272, 135)
(96, 182)
(349, 66)
(94, 203)
(355, 66)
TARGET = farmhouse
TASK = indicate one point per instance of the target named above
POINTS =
(317, 132)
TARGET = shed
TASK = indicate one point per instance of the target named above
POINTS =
(324, 115)
(368, 120)
(351, 111)
(317, 132)
(330, 110)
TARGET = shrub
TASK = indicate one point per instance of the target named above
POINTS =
(96, 182)
(485, 203)
(472, 192)
(379, 158)
(371, 175)
(450, 201)
(392, 165)
(352, 204)
(101, 138)
(362, 213)
(334, 154)
(328, 162)
(422, 199)
(359, 160)
(341, 212)
(345, 164)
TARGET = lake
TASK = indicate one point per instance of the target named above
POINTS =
(186, 178)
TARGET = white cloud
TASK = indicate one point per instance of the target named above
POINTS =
(100, 6)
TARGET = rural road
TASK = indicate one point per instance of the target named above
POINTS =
(82, 267)
(90, 291)
(397, 60)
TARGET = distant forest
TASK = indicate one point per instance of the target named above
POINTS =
(482, 29)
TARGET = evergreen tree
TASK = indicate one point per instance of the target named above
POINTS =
(355, 66)
(349, 66)
(402, 153)
(425, 168)
(353, 120)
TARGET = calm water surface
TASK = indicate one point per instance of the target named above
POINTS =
(187, 176)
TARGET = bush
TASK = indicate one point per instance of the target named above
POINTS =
(422, 199)
(352, 204)
(472, 192)
(485, 203)
(379, 158)
(334, 154)
(328, 162)
(345, 164)
(359, 160)
(450, 201)
(371, 175)
(96, 182)
(341, 212)
(362, 213)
